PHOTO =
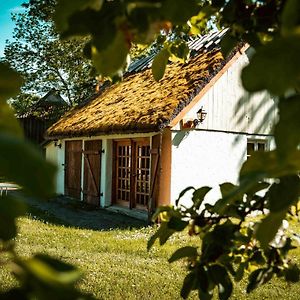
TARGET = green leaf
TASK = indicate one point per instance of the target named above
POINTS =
(268, 228)
(218, 241)
(198, 196)
(258, 277)
(44, 277)
(263, 165)
(230, 10)
(230, 194)
(163, 233)
(160, 210)
(258, 186)
(182, 193)
(180, 12)
(102, 26)
(17, 158)
(274, 67)
(254, 279)
(8, 122)
(253, 39)
(287, 247)
(292, 274)
(57, 265)
(284, 194)
(226, 189)
(286, 132)
(159, 64)
(13, 293)
(47, 272)
(105, 37)
(183, 252)
(290, 16)
(248, 185)
(112, 59)
(221, 278)
(257, 258)
(10, 208)
(228, 43)
(240, 272)
(189, 284)
(180, 51)
(205, 296)
(65, 8)
(10, 82)
(204, 282)
(200, 22)
(218, 3)
(175, 223)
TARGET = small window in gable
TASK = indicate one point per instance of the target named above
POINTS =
(256, 145)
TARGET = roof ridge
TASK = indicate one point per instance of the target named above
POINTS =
(196, 43)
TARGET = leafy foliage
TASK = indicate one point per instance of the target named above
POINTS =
(10, 82)
(23, 103)
(228, 242)
(40, 277)
(159, 64)
(118, 25)
(230, 245)
(45, 61)
(262, 73)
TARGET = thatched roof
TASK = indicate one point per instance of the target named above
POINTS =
(139, 103)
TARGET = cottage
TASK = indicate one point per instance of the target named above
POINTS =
(139, 143)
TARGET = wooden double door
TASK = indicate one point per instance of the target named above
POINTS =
(88, 158)
(131, 176)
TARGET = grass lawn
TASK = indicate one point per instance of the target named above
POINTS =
(116, 264)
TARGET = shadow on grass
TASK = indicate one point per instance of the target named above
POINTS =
(44, 216)
(73, 213)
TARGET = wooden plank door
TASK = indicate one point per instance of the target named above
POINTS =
(92, 171)
(73, 153)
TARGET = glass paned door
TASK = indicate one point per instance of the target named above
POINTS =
(131, 176)
(123, 165)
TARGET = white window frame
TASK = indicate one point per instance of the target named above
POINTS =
(256, 142)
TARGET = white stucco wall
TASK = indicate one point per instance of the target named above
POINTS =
(207, 158)
(56, 155)
(213, 152)
(106, 173)
(51, 153)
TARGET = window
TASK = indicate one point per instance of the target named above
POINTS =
(256, 145)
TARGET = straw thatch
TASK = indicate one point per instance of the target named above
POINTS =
(139, 103)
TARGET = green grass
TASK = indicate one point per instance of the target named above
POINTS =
(116, 264)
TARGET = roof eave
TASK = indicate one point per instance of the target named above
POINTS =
(59, 136)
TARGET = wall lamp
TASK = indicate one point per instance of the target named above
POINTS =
(201, 115)
(57, 144)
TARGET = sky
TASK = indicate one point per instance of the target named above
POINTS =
(6, 25)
